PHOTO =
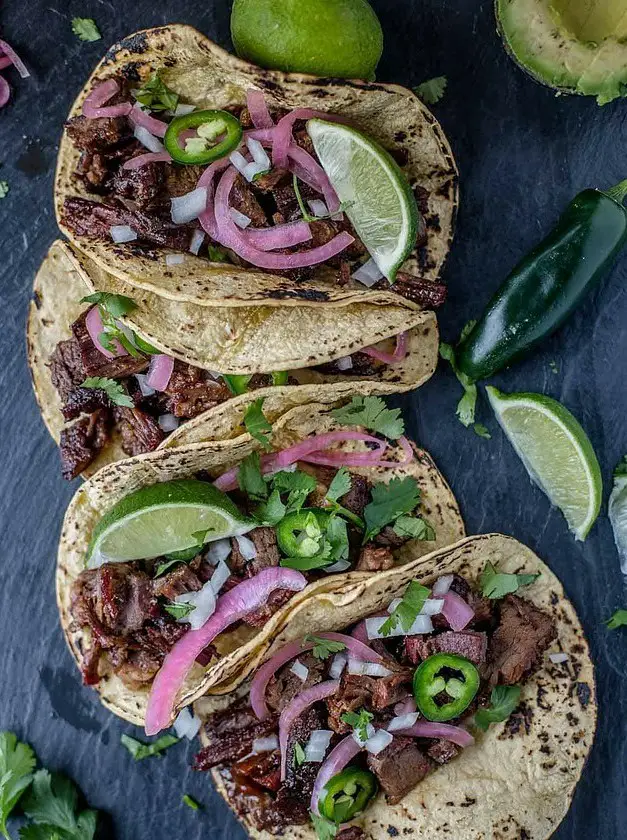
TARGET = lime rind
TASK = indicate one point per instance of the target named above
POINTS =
(373, 190)
(580, 505)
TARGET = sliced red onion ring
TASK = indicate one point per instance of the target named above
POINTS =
(186, 208)
(397, 724)
(426, 729)
(160, 371)
(456, 611)
(232, 606)
(291, 651)
(154, 126)
(5, 92)
(258, 109)
(150, 157)
(283, 132)
(14, 59)
(122, 233)
(279, 236)
(317, 745)
(296, 707)
(398, 355)
(379, 741)
(5, 62)
(442, 585)
(207, 218)
(167, 422)
(95, 328)
(337, 760)
(305, 167)
(405, 707)
(93, 104)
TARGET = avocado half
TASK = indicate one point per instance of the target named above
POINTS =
(575, 46)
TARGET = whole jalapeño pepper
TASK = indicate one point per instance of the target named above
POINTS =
(442, 676)
(217, 134)
(548, 285)
(347, 794)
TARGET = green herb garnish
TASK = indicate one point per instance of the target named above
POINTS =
(299, 755)
(360, 721)
(156, 95)
(390, 501)
(324, 648)
(340, 485)
(272, 511)
(179, 611)
(467, 406)
(112, 307)
(297, 484)
(217, 254)
(257, 424)
(4, 189)
(482, 431)
(619, 619)
(495, 584)
(86, 29)
(432, 90)
(250, 479)
(191, 802)
(140, 750)
(503, 701)
(373, 414)
(114, 390)
(324, 828)
(52, 805)
(408, 610)
(414, 527)
(17, 762)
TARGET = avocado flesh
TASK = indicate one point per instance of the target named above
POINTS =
(577, 46)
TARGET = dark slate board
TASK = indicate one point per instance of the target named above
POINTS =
(522, 153)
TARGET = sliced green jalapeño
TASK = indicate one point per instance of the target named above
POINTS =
(301, 534)
(237, 383)
(217, 134)
(443, 676)
(347, 794)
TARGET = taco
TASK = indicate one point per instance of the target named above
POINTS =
(147, 544)
(102, 404)
(457, 703)
(237, 210)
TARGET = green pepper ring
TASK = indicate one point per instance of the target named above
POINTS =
(366, 787)
(288, 543)
(232, 140)
(424, 680)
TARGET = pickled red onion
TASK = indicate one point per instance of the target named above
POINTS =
(232, 606)
(398, 355)
(208, 218)
(456, 611)
(95, 328)
(337, 760)
(309, 170)
(154, 126)
(5, 62)
(426, 729)
(283, 132)
(5, 92)
(159, 372)
(296, 707)
(93, 105)
(14, 58)
(279, 236)
(258, 109)
(149, 157)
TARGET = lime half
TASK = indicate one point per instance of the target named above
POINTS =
(618, 512)
(374, 192)
(163, 519)
(556, 453)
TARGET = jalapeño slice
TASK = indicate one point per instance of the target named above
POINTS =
(447, 677)
(347, 794)
(237, 383)
(218, 133)
(301, 534)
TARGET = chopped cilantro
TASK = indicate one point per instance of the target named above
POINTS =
(340, 485)
(333, 546)
(324, 828)
(257, 424)
(482, 431)
(299, 755)
(372, 414)
(17, 762)
(619, 619)
(250, 479)
(114, 390)
(217, 254)
(621, 468)
(191, 802)
(495, 584)
(140, 750)
(414, 527)
(360, 721)
(179, 610)
(272, 511)
(503, 701)
(323, 648)
(52, 805)
(114, 305)
(86, 29)
(407, 611)
(4, 189)
(389, 502)
(432, 90)
(297, 484)
(156, 95)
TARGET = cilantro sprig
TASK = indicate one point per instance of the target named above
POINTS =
(112, 307)
(406, 612)
(140, 750)
(414, 527)
(179, 611)
(17, 762)
(503, 701)
(373, 414)
(86, 29)
(52, 805)
(360, 721)
(257, 424)
(114, 390)
(432, 90)
(619, 619)
(495, 584)
(390, 502)
(324, 648)
(156, 95)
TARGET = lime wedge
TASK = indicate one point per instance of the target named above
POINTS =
(162, 519)
(374, 192)
(618, 512)
(556, 453)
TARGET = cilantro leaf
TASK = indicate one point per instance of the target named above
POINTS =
(17, 762)
(217, 254)
(162, 568)
(323, 648)
(407, 611)
(156, 95)
(414, 527)
(257, 424)
(324, 828)
(272, 511)
(503, 701)
(340, 485)
(333, 546)
(432, 90)
(140, 750)
(250, 479)
(360, 721)
(86, 29)
(114, 390)
(619, 619)
(495, 584)
(621, 468)
(467, 405)
(52, 802)
(4, 189)
(191, 802)
(299, 755)
(114, 305)
(297, 484)
(389, 501)
(179, 610)
(372, 414)
(482, 431)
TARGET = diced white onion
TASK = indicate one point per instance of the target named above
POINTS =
(204, 603)
(246, 547)
(174, 259)
(261, 745)
(558, 658)
(253, 169)
(345, 363)
(186, 208)
(183, 109)
(338, 566)
(402, 722)
(218, 551)
(240, 219)
(317, 745)
(318, 207)
(168, 422)
(368, 274)
(338, 665)
(394, 604)
(239, 161)
(122, 233)
(148, 140)
(301, 671)
(187, 725)
(258, 152)
(421, 625)
(432, 606)
(146, 390)
(198, 237)
(442, 585)
(379, 741)
(370, 733)
(367, 669)
(220, 576)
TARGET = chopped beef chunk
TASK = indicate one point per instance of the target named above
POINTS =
(267, 549)
(399, 768)
(294, 795)
(261, 616)
(284, 687)
(523, 634)
(66, 367)
(181, 579)
(141, 185)
(269, 181)
(427, 293)
(98, 135)
(139, 431)
(96, 364)
(302, 138)
(373, 559)
(467, 643)
(85, 401)
(363, 365)
(181, 180)
(358, 496)
(353, 832)
(374, 694)
(389, 538)
(443, 751)
(124, 598)
(322, 232)
(139, 667)
(231, 734)
(243, 200)
(191, 391)
(252, 802)
(81, 442)
(324, 476)
(263, 770)
(94, 172)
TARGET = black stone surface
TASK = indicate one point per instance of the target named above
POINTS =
(522, 153)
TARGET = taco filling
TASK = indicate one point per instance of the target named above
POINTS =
(243, 185)
(333, 720)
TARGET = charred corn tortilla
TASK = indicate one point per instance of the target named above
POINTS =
(518, 779)
(228, 339)
(205, 75)
(238, 650)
